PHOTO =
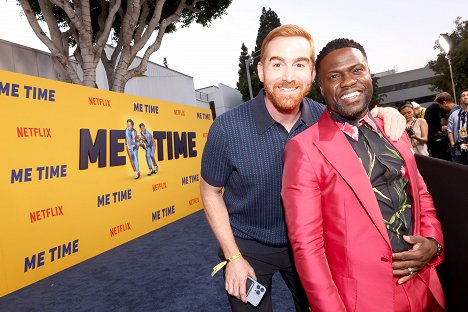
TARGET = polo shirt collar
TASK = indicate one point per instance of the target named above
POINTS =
(263, 119)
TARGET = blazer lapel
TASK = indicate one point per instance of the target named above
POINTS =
(333, 144)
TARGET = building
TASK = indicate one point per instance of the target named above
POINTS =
(413, 85)
(158, 82)
(221, 98)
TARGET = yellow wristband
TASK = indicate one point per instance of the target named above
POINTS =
(221, 265)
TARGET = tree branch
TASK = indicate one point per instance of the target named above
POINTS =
(56, 52)
(66, 7)
(141, 21)
(129, 22)
(86, 17)
(141, 68)
(103, 35)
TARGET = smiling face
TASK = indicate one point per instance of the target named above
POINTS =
(345, 82)
(286, 72)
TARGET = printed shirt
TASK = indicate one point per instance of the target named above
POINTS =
(387, 173)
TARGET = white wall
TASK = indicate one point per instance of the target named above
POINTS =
(224, 97)
(159, 82)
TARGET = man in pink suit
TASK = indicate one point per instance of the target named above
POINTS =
(362, 225)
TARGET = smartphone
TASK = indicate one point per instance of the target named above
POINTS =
(254, 291)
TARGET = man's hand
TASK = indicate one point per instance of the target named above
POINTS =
(408, 262)
(394, 122)
(236, 277)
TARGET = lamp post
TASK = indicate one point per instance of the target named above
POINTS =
(247, 65)
(249, 81)
(445, 43)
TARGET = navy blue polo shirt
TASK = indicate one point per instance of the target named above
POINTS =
(244, 154)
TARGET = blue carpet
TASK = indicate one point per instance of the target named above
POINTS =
(166, 270)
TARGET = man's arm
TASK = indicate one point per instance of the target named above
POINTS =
(302, 205)
(450, 129)
(236, 271)
(394, 122)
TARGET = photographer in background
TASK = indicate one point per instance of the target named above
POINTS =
(416, 128)
(436, 117)
(457, 131)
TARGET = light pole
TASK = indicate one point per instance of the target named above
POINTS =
(249, 81)
(445, 43)
(247, 65)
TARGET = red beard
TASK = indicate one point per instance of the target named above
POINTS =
(286, 102)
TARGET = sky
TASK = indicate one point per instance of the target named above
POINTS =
(395, 33)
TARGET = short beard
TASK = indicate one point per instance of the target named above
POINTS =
(354, 113)
(285, 102)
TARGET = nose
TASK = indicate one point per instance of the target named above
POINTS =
(348, 81)
(288, 75)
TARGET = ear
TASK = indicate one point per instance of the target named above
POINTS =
(260, 71)
(313, 74)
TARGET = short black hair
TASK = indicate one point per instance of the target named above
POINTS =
(336, 44)
(142, 125)
(130, 121)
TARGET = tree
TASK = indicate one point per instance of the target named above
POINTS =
(165, 63)
(86, 25)
(459, 57)
(269, 20)
(242, 84)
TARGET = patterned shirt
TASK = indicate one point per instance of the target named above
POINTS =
(244, 154)
(387, 173)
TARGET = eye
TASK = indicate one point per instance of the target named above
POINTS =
(333, 77)
(358, 70)
(276, 64)
(301, 65)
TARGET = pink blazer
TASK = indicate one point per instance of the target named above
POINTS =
(340, 243)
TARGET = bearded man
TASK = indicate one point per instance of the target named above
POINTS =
(243, 155)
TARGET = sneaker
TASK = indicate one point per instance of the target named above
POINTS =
(155, 169)
(151, 172)
(137, 175)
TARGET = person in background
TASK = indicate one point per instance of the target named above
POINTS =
(132, 146)
(416, 129)
(457, 131)
(419, 111)
(436, 118)
(149, 149)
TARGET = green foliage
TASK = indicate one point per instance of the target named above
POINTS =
(459, 57)
(315, 93)
(268, 21)
(242, 84)
(208, 10)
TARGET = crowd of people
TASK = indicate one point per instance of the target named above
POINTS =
(440, 130)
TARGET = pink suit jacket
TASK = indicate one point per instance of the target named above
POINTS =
(340, 243)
